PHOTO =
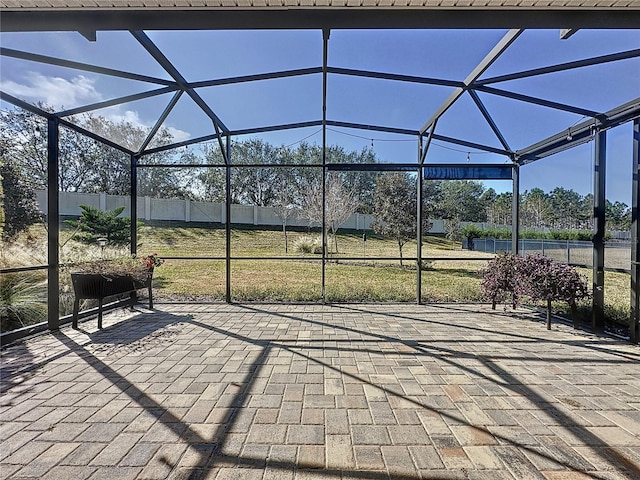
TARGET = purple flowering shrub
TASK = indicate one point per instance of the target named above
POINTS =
(536, 277)
(500, 279)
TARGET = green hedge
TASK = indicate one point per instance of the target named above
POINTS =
(472, 231)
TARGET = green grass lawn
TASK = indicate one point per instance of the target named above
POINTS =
(298, 278)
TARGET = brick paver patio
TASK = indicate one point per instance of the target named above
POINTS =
(320, 392)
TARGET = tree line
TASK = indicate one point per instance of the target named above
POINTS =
(259, 176)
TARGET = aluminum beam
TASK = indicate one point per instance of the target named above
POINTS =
(227, 219)
(566, 33)
(314, 18)
(160, 121)
(373, 167)
(538, 101)
(164, 62)
(185, 143)
(94, 136)
(86, 67)
(419, 216)
(424, 150)
(53, 224)
(392, 76)
(256, 78)
(634, 320)
(116, 101)
(561, 67)
(25, 105)
(133, 203)
(515, 211)
(599, 182)
(405, 131)
(487, 116)
(275, 128)
(325, 60)
(486, 62)
(581, 133)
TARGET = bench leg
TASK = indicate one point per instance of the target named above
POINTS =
(100, 313)
(76, 309)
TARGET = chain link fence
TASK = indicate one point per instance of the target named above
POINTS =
(617, 255)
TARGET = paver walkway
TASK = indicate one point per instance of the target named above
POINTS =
(320, 392)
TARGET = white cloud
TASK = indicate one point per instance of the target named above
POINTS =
(61, 93)
(115, 115)
(57, 92)
(179, 135)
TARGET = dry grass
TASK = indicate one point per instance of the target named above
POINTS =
(299, 278)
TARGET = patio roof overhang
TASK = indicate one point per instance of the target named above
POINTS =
(90, 16)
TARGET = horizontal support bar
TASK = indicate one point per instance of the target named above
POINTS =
(393, 76)
(375, 128)
(275, 128)
(256, 77)
(23, 269)
(373, 167)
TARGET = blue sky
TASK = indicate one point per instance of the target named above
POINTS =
(440, 54)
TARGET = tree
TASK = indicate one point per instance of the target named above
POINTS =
(18, 201)
(87, 165)
(616, 215)
(487, 200)
(94, 224)
(341, 203)
(502, 208)
(566, 206)
(284, 204)
(395, 208)
(534, 208)
(361, 183)
(460, 199)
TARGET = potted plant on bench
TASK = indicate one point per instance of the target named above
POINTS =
(104, 278)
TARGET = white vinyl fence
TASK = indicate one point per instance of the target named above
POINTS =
(192, 211)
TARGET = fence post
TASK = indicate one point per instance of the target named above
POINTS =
(568, 253)
(543, 247)
(187, 210)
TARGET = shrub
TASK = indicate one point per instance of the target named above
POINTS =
(23, 300)
(500, 279)
(18, 206)
(94, 224)
(581, 235)
(533, 276)
(532, 235)
(470, 232)
(308, 244)
(546, 280)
